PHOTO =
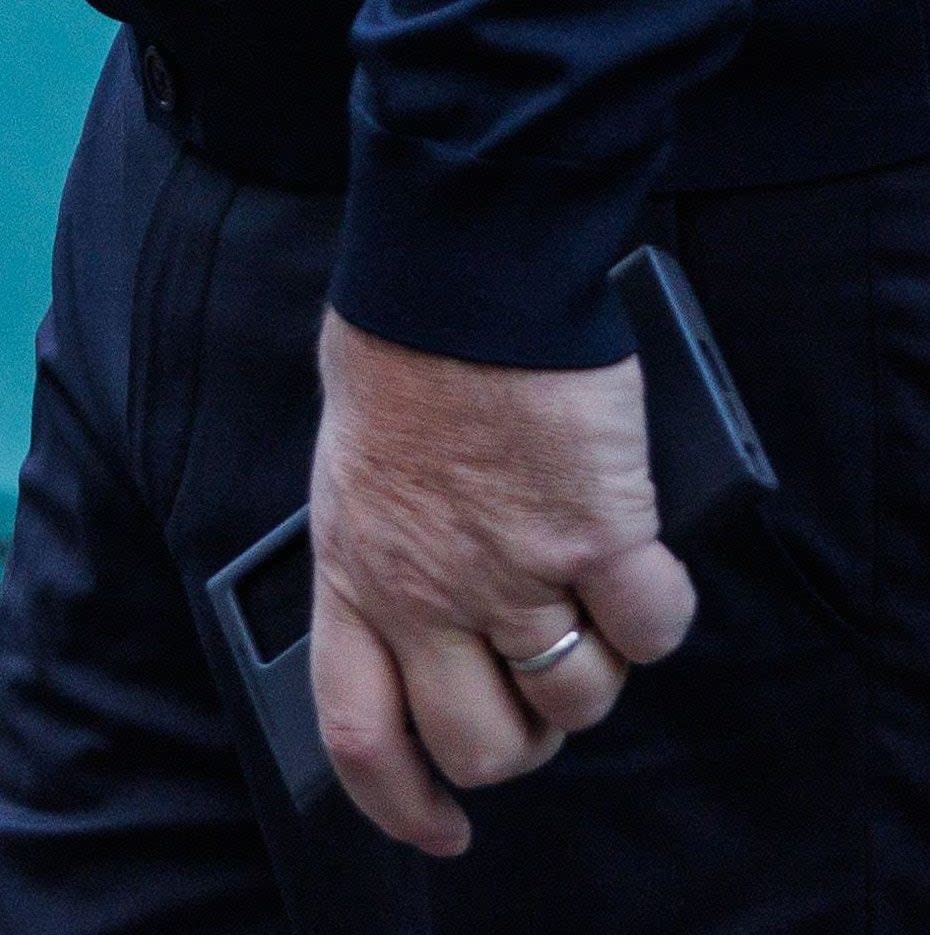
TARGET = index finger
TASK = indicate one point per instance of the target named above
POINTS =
(363, 723)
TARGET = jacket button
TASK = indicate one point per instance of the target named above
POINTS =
(159, 80)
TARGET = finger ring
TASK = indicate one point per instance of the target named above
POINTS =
(547, 659)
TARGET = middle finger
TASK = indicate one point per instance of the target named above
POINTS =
(468, 716)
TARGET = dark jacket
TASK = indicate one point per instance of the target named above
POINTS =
(502, 150)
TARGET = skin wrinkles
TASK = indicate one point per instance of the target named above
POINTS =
(464, 513)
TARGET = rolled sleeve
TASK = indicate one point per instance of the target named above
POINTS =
(501, 154)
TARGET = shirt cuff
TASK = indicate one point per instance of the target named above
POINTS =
(500, 262)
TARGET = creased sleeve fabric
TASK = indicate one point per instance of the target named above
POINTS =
(501, 154)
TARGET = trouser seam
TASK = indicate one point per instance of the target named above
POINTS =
(171, 298)
(181, 465)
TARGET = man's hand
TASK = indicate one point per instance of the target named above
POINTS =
(463, 513)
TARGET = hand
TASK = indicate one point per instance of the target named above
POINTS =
(463, 513)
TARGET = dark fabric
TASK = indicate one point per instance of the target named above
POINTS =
(502, 150)
(773, 776)
(501, 154)
(261, 87)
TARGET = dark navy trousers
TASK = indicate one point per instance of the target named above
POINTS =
(772, 776)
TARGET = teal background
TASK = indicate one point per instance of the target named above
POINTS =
(50, 54)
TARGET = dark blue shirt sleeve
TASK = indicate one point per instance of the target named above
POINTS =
(501, 152)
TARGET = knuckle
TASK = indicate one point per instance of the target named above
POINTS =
(491, 766)
(658, 640)
(664, 625)
(586, 711)
(463, 775)
(481, 768)
(354, 746)
(328, 539)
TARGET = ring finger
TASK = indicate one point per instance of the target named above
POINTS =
(579, 688)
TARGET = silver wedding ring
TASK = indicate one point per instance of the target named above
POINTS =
(547, 659)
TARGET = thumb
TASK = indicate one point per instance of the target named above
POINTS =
(641, 600)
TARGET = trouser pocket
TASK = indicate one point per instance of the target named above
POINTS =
(170, 301)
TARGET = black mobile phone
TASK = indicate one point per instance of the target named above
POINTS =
(706, 458)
